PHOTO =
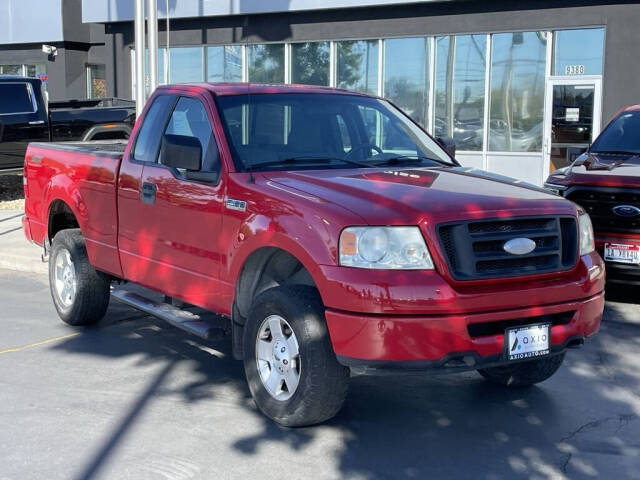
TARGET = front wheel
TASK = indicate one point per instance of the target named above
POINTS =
(291, 368)
(80, 293)
(524, 374)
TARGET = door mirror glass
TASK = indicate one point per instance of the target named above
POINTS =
(448, 144)
(181, 151)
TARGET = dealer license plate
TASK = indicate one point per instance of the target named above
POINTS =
(527, 342)
(618, 252)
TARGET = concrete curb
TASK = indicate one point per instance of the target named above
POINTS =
(16, 253)
(22, 263)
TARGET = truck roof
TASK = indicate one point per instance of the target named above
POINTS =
(13, 78)
(240, 88)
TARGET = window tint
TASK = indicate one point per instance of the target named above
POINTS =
(147, 142)
(622, 135)
(15, 98)
(189, 119)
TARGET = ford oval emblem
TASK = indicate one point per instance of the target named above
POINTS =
(626, 211)
(519, 246)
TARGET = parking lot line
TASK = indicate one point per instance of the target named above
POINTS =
(37, 344)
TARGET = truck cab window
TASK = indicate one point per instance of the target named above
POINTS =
(147, 142)
(189, 118)
(16, 98)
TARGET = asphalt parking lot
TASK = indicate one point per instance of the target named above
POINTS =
(137, 399)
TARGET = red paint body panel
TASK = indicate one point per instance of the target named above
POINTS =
(189, 246)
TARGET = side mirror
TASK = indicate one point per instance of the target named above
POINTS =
(181, 151)
(448, 144)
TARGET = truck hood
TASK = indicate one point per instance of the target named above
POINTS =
(606, 170)
(412, 195)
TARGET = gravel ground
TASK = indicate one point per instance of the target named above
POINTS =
(11, 192)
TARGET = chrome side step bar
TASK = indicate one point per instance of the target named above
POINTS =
(183, 319)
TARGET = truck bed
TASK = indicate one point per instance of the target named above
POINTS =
(88, 173)
(106, 148)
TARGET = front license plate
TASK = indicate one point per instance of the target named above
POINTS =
(618, 252)
(527, 342)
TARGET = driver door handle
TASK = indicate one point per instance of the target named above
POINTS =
(148, 192)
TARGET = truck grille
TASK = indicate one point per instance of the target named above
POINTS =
(474, 249)
(599, 203)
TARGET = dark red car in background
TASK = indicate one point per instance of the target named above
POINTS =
(605, 181)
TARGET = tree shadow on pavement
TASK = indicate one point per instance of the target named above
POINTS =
(582, 423)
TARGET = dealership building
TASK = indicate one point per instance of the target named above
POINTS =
(520, 86)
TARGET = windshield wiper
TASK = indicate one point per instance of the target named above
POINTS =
(400, 159)
(305, 160)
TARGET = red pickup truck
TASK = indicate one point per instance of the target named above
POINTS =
(333, 232)
(605, 181)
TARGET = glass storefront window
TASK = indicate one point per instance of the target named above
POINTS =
(357, 65)
(266, 63)
(35, 70)
(10, 69)
(96, 81)
(578, 52)
(224, 64)
(517, 91)
(185, 65)
(310, 63)
(406, 81)
(459, 89)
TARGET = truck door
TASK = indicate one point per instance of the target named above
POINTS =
(133, 243)
(181, 212)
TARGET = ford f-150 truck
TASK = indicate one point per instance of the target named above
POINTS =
(26, 116)
(333, 232)
(605, 181)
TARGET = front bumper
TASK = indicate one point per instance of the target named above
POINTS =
(619, 272)
(445, 342)
(431, 325)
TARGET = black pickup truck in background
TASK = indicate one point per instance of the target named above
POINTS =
(25, 116)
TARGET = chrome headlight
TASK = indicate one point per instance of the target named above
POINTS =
(587, 242)
(384, 248)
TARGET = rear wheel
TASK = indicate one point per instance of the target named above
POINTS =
(524, 374)
(80, 293)
(291, 368)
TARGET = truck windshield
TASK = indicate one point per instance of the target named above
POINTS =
(622, 135)
(310, 131)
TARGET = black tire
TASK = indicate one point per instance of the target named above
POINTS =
(323, 382)
(92, 293)
(524, 374)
